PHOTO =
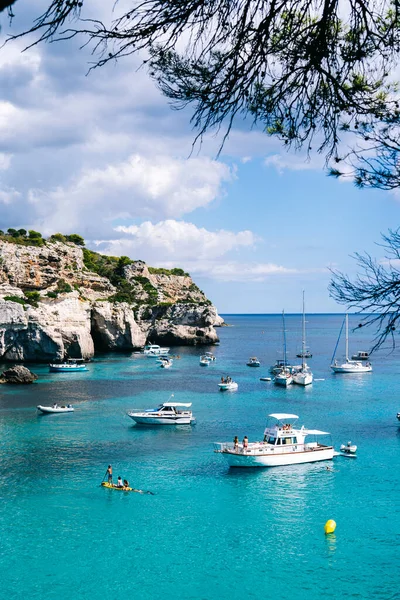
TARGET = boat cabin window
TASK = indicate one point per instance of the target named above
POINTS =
(287, 440)
(270, 440)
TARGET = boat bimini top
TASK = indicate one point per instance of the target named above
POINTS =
(173, 404)
(285, 426)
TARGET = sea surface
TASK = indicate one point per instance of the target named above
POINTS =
(208, 532)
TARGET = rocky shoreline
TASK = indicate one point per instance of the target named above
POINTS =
(52, 306)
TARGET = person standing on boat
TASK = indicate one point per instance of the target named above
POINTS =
(245, 442)
(109, 474)
(236, 443)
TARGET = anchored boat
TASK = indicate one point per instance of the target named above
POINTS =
(283, 444)
(348, 366)
(168, 413)
(154, 350)
(70, 366)
(55, 409)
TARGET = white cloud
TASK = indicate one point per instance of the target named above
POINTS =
(177, 241)
(5, 160)
(139, 187)
(291, 162)
(238, 271)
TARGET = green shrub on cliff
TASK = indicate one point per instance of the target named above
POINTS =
(15, 299)
(162, 271)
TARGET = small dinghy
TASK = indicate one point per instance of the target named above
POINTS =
(55, 409)
(348, 450)
(265, 378)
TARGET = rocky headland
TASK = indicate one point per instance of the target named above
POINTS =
(60, 299)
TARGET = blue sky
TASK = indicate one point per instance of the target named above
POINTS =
(103, 155)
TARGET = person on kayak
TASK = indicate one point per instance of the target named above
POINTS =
(119, 482)
(126, 483)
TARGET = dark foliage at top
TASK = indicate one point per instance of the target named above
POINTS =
(305, 70)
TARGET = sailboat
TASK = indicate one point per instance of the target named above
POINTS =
(284, 376)
(348, 366)
(303, 376)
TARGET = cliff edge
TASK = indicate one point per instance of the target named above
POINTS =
(60, 299)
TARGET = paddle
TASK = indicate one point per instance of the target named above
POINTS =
(144, 492)
(104, 476)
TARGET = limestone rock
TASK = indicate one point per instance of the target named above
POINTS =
(49, 332)
(18, 374)
(114, 327)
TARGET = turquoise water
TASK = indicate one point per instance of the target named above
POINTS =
(208, 532)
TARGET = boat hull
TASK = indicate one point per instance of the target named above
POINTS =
(143, 420)
(346, 368)
(56, 369)
(303, 378)
(227, 387)
(243, 460)
(51, 410)
(283, 381)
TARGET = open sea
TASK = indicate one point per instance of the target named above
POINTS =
(208, 533)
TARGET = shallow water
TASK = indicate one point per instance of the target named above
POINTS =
(208, 532)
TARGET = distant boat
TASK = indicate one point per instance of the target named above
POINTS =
(166, 363)
(72, 365)
(205, 361)
(227, 385)
(348, 366)
(154, 350)
(303, 376)
(360, 355)
(253, 362)
(55, 409)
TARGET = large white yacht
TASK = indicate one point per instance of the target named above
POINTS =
(283, 444)
(348, 366)
(168, 413)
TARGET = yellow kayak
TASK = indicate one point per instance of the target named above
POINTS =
(112, 486)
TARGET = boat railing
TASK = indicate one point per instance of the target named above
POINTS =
(254, 448)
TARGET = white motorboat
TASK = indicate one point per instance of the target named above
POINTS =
(55, 409)
(303, 376)
(154, 350)
(168, 413)
(253, 362)
(348, 366)
(360, 355)
(227, 385)
(349, 450)
(398, 416)
(205, 361)
(283, 444)
(166, 363)
(72, 365)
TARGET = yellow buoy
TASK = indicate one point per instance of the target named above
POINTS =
(330, 526)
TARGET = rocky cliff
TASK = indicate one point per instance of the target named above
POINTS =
(61, 300)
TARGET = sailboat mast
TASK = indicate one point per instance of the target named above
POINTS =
(284, 339)
(304, 337)
(347, 337)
